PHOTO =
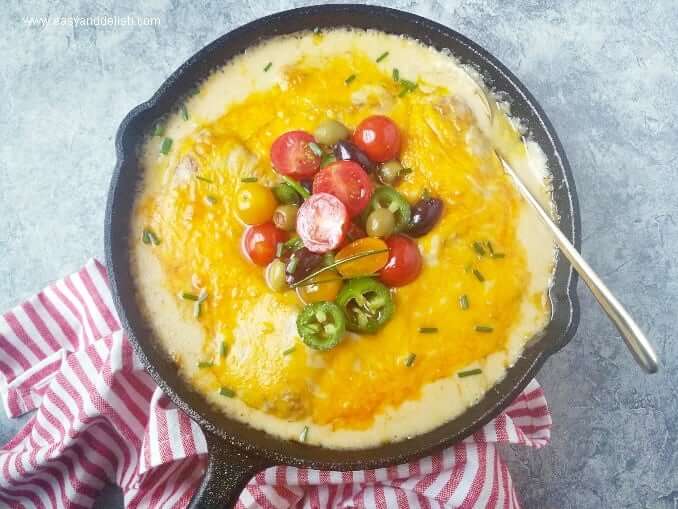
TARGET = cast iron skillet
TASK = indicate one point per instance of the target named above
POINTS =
(237, 451)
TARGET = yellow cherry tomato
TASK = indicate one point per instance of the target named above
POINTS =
(369, 264)
(255, 203)
(325, 287)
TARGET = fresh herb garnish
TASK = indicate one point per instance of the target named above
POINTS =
(184, 112)
(149, 237)
(498, 255)
(205, 364)
(478, 248)
(304, 434)
(406, 86)
(268, 66)
(303, 192)
(249, 179)
(463, 302)
(204, 179)
(166, 146)
(197, 309)
(405, 171)
(189, 296)
(159, 129)
(315, 148)
(337, 264)
(470, 372)
(410, 359)
(350, 79)
(225, 391)
(289, 350)
(211, 199)
(478, 275)
(223, 349)
(490, 248)
(483, 328)
(428, 330)
(382, 56)
(396, 74)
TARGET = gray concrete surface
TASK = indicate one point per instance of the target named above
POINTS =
(603, 71)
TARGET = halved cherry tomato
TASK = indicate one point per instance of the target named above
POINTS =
(347, 181)
(379, 137)
(404, 261)
(367, 265)
(260, 242)
(292, 156)
(322, 222)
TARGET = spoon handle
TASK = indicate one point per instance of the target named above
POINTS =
(635, 340)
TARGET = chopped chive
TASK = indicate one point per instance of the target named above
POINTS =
(350, 79)
(405, 171)
(303, 192)
(279, 249)
(189, 296)
(149, 237)
(289, 350)
(292, 265)
(478, 275)
(396, 74)
(498, 255)
(483, 328)
(268, 66)
(490, 248)
(304, 434)
(204, 179)
(428, 330)
(184, 112)
(410, 359)
(470, 372)
(382, 56)
(197, 309)
(223, 349)
(211, 199)
(205, 364)
(249, 179)
(478, 248)
(225, 391)
(407, 86)
(159, 129)
(463, 302)
(294, 243)
(315, 148)
(166, 146)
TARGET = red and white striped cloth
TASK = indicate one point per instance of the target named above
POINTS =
(100, 419)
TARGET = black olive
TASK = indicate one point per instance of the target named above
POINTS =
(301, 264)
(425, 214)
(347, 151)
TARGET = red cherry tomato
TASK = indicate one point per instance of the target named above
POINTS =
(322, 222)
(404, 261)
(379, 137)
(260, 242)
(347, 181)
(291, 155)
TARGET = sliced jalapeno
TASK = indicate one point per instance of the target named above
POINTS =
(367, 304)
(321, 325)
(389, 198)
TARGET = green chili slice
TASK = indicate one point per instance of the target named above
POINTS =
(389, 198)
(321, 325)
(367, 304)
(303, 192)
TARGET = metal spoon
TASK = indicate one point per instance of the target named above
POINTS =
(635, 340)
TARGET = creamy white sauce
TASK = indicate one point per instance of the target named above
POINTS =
(440, 401)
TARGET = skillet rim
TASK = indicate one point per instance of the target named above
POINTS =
(562, 294)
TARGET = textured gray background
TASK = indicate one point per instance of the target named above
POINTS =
(603, 71)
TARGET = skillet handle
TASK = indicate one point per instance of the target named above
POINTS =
(228, 471)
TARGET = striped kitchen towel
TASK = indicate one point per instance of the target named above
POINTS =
(100, 419)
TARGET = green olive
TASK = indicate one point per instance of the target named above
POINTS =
(330, 131)
(380, 223)
(390, 172)
(275, 276)
(285, 217)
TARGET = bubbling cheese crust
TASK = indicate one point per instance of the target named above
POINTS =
(363, 392)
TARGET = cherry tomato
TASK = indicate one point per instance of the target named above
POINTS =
(260, 242)
(292, 156)
(347, 181)
(366, 265)
(404, 261)
(379, 137)
(255, 203)
(325, 287)
(322, 222)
